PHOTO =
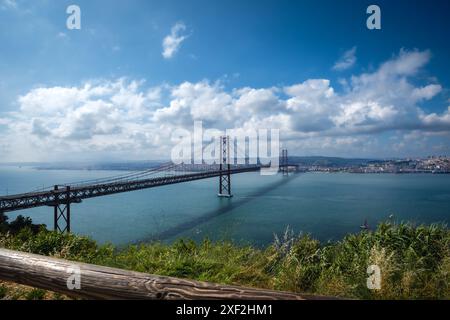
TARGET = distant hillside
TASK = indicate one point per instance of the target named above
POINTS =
(125, 165)
(330, 161)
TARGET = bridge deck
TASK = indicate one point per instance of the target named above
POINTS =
(78, 193)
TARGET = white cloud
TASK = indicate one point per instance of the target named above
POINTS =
(257, 101)
(427, 92)
(196, 101)
(388, 95)
(346, 61)
(311, 105)
(171, 43)
(435, 121)
(90, 119)
(126, 119)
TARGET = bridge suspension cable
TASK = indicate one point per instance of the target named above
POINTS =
(112, 179)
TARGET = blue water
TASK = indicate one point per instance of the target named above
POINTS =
(325, 205)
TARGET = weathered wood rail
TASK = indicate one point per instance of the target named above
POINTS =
(97, 282)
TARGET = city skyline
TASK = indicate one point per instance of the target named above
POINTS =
(118, 87)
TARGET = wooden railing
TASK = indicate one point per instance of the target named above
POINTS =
(97, 282)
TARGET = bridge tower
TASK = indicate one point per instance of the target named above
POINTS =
(225, 168)
(61, 207)
(284, 165)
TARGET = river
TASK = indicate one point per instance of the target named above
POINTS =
(326, 205)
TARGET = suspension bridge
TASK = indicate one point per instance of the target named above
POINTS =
(60, 197)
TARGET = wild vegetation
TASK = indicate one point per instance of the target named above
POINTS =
(414, 261)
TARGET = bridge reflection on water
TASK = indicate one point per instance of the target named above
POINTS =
(228, 207)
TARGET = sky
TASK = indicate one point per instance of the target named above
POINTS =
(137, 70)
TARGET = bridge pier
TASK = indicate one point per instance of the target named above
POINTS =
(61, 213)
(225, 168)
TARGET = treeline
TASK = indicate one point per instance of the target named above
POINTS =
(18, 224)
(414, 261)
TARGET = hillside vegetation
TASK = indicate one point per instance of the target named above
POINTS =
(414, 261)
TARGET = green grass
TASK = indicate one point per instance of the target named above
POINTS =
(3, 291)
(414, 261)
(35, 294)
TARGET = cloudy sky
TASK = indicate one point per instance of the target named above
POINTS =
(137, 70)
